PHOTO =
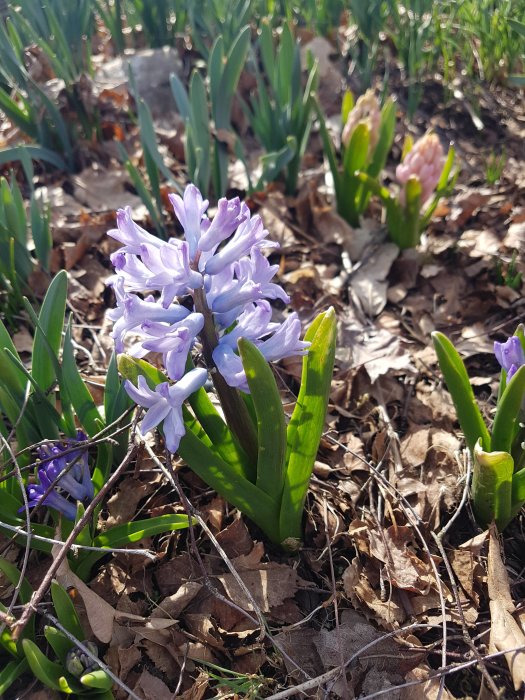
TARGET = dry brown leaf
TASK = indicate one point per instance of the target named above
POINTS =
(270, 586)
(427, 689)
(403, 567)
(150, 687)
(359, 591)
(173, 605)
(505, 632)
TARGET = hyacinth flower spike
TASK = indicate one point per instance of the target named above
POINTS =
(62, 471)
(212, 291)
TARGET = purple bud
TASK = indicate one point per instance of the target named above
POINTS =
(510, 355)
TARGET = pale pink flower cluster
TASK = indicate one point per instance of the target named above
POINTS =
(425, 161)
(366, 110)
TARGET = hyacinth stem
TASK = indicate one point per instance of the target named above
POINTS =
(234, 408)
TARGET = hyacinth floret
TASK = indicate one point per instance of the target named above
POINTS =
(62, 470)
(214, 285)
(424, 161)
(510, 355)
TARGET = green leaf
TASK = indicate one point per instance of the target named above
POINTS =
(240, 492)
(458, 384)
(356, 153)
(58, 641)
(271, 427)
(346, 106)
(11, 572)
(181, 96)
(48, 672)
(492, 487)
(51, 321)
(97, 679)
(307, 422)
(73, 386)
(507, 413)
(11, 671)
(65, 610)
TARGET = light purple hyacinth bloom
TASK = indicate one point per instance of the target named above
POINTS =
(510, 355)
(61, 474)
(225, 283)
(164, 404)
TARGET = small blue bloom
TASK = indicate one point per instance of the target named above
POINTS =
(510, 355)
(190, 211)
(164, 404)
(173, 341)
(62, 470)
(230, 213)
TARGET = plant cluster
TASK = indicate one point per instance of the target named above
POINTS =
(225, 283)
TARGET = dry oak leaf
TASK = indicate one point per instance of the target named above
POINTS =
(505, 632)
(269, 585)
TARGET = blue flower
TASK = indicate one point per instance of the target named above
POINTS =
(164, 404)
(510, 355)
(62, 471)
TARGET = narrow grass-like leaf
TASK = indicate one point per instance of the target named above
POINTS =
(51, 321)
(73, 386)
(307, 422)
(458, 384)
(9, 674)
(271, 427)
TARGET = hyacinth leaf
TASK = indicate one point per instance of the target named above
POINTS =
(356, 153)
(447, 169)
(48, 672)
(328, 146)
(271, 426)
(219, 433)
(347, 106)
(10, 516)
(240, 492)
(75, 388)
(122, 535)
(408, 144)
(387, 131)
(492, 487)
(506, 419)
(458, 384)
(58, 641)
(11, 572)
(12, 378)
(518, 489)
(65, 610)
(11, 671)
(408, 236)
(307, 422)
(97, 679)
(48, 335)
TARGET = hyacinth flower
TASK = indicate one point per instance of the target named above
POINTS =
(212, 293)
(498, 481)
(423, 177)
(62, 473)
(366, 139)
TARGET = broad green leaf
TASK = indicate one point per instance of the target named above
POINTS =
(356, 153)
(11, 671)
(73, 386)
(458, 384)
(518, 489)
(97, 679)
(507, 413)
(240, 492)
(65, 610)
(271, 427)
(492, 487)
(347, 106)
(11, 572)
(127, 533)
(387, 131)
(307, 422)
(45, 670)
(51, 321)
(58, 641)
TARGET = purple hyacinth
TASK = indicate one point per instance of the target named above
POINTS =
(216, 285)
(510, 355)
(164, 404)
(62, 471)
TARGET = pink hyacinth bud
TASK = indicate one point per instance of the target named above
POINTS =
(366, 110)
(425, 161)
